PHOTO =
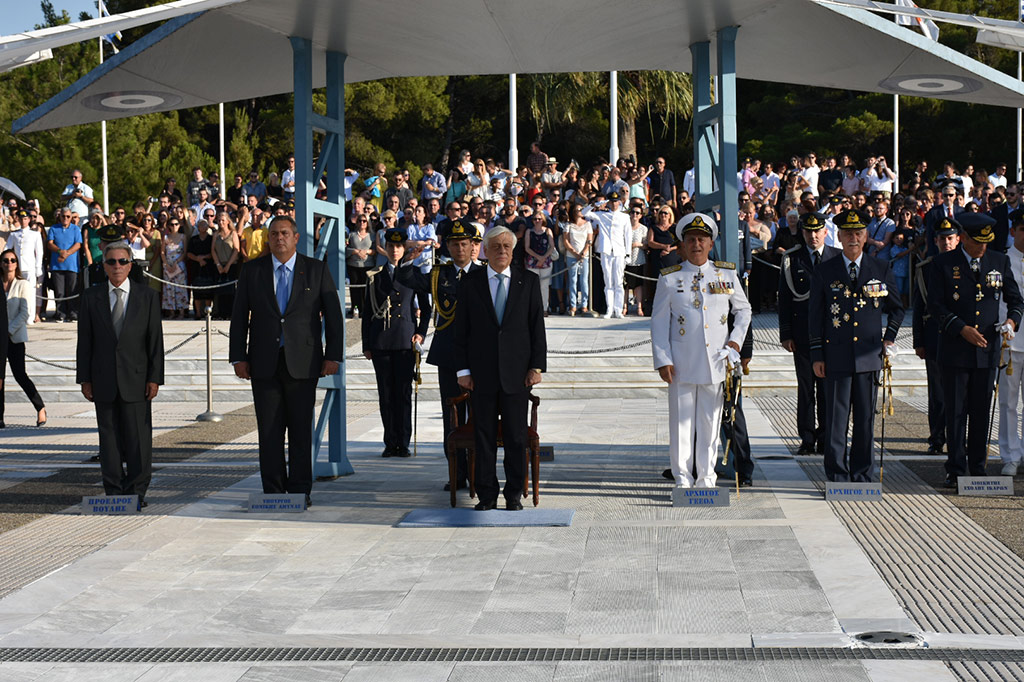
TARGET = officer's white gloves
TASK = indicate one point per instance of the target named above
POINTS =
(730, 354)
(890, 351)
(1007, 329)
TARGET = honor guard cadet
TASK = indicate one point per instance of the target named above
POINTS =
(926, 335)
(692, 341)
(1011, 442)
(965, 289)
(849, 294)
(390, 330)
(462, 239)
(798, 264)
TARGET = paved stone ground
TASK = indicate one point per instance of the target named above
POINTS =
(780, 568)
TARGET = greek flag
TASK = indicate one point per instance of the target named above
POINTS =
(927, 26)
(110, 37)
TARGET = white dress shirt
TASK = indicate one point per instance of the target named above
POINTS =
(125, 286)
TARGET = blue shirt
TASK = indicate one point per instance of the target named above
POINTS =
(64, 238)
(416, 233)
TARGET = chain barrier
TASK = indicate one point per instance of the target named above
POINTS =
(51, 364)
(190, 286)
(201, 331)
(599, 351)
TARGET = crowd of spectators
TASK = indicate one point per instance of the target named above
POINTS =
(193, 237)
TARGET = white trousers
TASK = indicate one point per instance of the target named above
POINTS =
(694, 414)
(1011, 390)
(614, 268)
(545, 283)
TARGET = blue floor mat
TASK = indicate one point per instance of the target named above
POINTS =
(464, 517)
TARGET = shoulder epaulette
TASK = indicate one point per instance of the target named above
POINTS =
(725, 265)
(670, 269)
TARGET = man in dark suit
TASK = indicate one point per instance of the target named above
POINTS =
(948, 207)
(120, 365)
(442, 283)
(390, 333)
(926, 336)
(798, 265)
(284, 303)
(501, 350)
(849, 293)
(965, 288)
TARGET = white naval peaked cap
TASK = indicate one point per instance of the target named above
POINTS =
(700, 222)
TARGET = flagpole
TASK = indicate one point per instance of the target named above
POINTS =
(103, 146)
(896, 140)
(100, 9)
(223, 177)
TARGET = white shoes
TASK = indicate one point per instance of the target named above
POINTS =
(608, 315)
(1009, 469)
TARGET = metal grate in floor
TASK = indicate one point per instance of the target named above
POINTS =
(492, 655)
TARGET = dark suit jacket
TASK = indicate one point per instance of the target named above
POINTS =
(120, 366)
(953, 289)
(257, 325)
(1001, 214)
(499, 356)
(926, 331)
(845, 325)
(792, 312)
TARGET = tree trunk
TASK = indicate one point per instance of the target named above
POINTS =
(627, 137)
(449, 125)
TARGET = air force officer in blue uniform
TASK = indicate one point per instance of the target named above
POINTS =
(848, 296)
(965, 288)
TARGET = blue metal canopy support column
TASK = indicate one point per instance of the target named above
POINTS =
(331, 209)
(714, 139)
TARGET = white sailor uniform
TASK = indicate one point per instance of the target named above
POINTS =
(689, 328)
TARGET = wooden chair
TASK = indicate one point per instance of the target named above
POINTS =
(461, 436)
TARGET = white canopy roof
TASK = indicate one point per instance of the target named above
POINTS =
(242, 50)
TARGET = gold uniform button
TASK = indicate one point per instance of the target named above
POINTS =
(705, 326)
(855, 338)
(855, 324)
(977, 312)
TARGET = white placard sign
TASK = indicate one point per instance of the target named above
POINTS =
(700, 497)
(110, 504)
(853, 492)
(278, 502)
(985, 485)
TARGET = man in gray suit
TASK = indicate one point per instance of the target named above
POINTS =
(120, 367)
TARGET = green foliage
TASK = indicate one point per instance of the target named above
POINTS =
(405, 122)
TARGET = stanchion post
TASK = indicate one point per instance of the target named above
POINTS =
(209, 415)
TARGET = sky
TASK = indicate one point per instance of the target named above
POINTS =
(24, 15)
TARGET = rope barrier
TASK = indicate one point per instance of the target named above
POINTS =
(51, 364)
(599, 351)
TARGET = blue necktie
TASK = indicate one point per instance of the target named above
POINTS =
(282, 288)
(500, 296)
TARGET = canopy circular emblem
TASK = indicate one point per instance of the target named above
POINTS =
(136, 101)
(930, 85)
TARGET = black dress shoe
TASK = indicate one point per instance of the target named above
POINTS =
(805, 450)
(94, 458)
(401, 452)
(935, 450)
(484, 506)
(143, 504)
(746, 482)
(513, 505)
(819, 448)
(667, 473)
(388, 452)
(461, 485)
(309, 501)
(950, 481)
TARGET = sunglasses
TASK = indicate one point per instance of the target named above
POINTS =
(9, 260)
(117, 261)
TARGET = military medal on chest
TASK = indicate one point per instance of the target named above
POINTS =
(698, 300)
(682, 322)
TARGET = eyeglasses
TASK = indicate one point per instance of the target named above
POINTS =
(65, 216)
(641, 213)
(9, 260)
(949, 195)
(117, 261)
(174, 223)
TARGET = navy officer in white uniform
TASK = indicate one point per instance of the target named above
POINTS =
(692, 342)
